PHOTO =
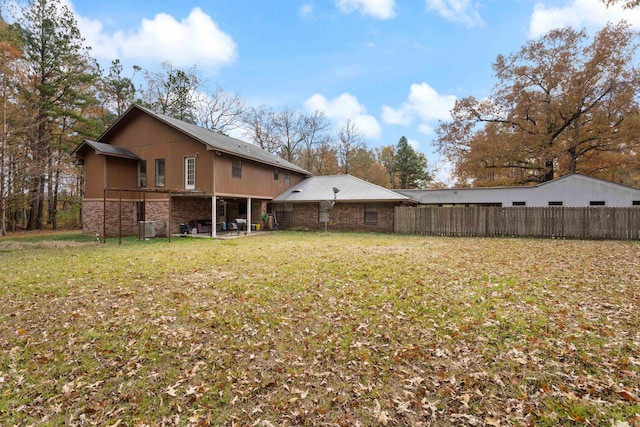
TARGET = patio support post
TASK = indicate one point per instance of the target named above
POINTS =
(169, 225)
(248, 231)
(214, 202)
(214, 215)
(104, 216)
(119, 217)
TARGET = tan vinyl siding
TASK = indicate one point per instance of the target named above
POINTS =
(94, 166)
(256, 181)
(151, 139)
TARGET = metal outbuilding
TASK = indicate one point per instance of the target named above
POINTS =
(568, 191)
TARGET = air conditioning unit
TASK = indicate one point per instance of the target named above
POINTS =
(148, 229)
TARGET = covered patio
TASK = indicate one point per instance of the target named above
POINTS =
(180, 213)
(229, 215)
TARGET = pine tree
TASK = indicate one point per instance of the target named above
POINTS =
(60, 76)
(410, 166)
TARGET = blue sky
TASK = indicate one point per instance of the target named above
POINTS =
(393, 67)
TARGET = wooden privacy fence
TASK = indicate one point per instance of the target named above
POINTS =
(484, 221)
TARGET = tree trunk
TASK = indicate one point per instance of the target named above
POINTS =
(548, 171)
(40, 161)
(35, 194)
(52, 193)
(573, 160)
(3, 224)
(53, 208)
(3, 175)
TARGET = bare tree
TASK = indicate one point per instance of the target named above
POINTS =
(350, 139)
(259, 128)
(315, 133)
(220, 111)
(626, 4)
(324, 159)
(291, 130)
(286, 132)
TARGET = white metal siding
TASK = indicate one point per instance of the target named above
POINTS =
(572, 191)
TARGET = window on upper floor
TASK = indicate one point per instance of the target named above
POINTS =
(276, 174)
(142, 173)
(287, 179)
(160, 172)
(189, 173)
(236, 168)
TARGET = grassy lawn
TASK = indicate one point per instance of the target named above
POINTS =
(314, 329)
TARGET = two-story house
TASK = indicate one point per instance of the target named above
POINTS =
(149, 168)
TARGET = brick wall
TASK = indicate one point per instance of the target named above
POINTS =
(186, 209)
(158, 211)
(123, 217)
(343, 217)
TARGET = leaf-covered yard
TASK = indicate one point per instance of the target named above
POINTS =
(320, 329)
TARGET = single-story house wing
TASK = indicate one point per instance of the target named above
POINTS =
(338, 202)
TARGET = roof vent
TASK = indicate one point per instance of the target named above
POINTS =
(297, 191)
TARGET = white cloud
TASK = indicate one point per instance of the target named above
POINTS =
(578, 14)
(395, 117)
(444, 170)
(382, 9)
(414, 143)
(346, 106)
(197, 39)
(306, 9)
(424, 103)
(426, 129)
(463, 11)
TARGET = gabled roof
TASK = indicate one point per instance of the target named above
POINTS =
(213, 140)
(352, 189)
(584, 179)
(106, 149)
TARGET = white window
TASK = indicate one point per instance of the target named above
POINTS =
(190, 173)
